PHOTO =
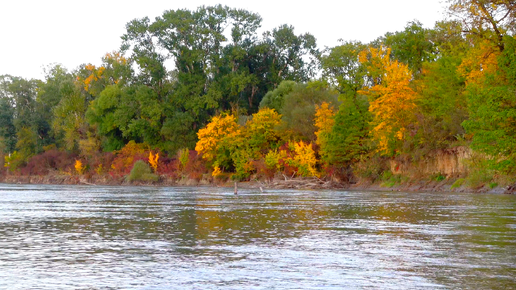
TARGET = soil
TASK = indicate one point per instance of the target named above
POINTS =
(277, 183)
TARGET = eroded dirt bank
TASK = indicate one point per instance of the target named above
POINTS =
(293, 183)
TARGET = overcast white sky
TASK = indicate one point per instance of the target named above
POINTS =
(36, 33)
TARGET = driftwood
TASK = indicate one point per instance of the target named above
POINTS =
(511, 189)
(300, 183)
(87, 183)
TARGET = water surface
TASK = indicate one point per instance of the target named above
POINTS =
(79, 237)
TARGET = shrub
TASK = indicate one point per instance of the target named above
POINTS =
(51, 160)
(272, 159)
(458, 183)
(168, 166)
(14, 161)
(263, 170)
(389, 179)
(3, 169)
(342, 174)
(212, 136)
(183, 156)
(127, 156)
(261, 131)
(480, 170)
(371, 168)
(195, 167)
(244, 166)
(79, 167)
(438, 177)
(102, 162)
(478, 178)
(141, 172)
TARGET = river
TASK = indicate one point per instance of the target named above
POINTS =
(82, 237)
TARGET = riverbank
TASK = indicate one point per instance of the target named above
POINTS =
(277, 183)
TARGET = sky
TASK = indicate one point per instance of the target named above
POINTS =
(35, 34)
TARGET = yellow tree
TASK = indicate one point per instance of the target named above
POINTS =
(211, 137)
(392, 100)
(259, 136)
(481, 60)
(261, 130)
(324, 121)
(304, 159)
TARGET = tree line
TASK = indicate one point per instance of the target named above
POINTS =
(242, 104)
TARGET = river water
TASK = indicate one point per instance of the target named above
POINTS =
(79, 237)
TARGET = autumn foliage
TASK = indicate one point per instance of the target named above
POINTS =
(79, 167)
(250, 107)
(127, 156)
(153, 161)
(324, 122)
(212, 136)
(392, 100)
(50, 161)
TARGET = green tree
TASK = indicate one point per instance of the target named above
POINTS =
(291, 57)
(28, 113)
(342, 69)
(411, 46)
(448, 39)
(105, 113)
(69, 119)
(492, 110)
(298, 110)
(442, 103)
(349, 137)
(203, 80)
(220, 64)
(7, 128)
(144, 112)
(275, 99)
(58, 83)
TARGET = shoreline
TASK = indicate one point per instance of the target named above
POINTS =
(293, 183)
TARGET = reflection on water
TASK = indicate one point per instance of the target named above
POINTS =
(56, 237)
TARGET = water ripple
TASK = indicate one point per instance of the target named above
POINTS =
(63, 237)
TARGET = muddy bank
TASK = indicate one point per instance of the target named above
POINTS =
(293, 183)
